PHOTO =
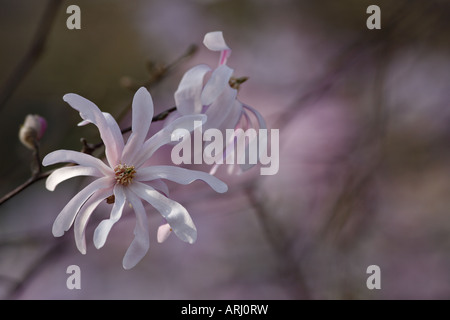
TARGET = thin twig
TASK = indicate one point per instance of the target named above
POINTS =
(24, 185)
(33, 54)
(289, 267)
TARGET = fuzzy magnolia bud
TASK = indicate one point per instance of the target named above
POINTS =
(32, 130)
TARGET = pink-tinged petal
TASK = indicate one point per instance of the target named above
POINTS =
(62, 174)
(141, 243)
(214, 41)
(102, 231)
(163, 233)
(66, 217)
(221, 107)
(85, 213)
(216, 84)
(187, 96)
(70, 156)
(142, 109)
(165, 135)
(180, 175)
(108, 129)
(213, 169)
(175, 214)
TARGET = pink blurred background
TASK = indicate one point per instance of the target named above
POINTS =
(364, 150)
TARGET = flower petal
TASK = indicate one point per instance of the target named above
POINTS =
(63, 156)
(187, 96)
(108, 129)
(102, 231)
(180, 175)
(233, 117)
(141, 243)
(142, 109)
(259, 117)
(164, 136)
(163, 233)
(175, 214)
(85, 213)
(67, 215)
(159, 185)
(64, 173)
(221, 107)
(216, 84)
(261, 145)
(214, 41)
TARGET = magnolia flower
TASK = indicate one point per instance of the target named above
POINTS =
(126, 176)
(217, 99)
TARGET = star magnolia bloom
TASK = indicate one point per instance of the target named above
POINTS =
(126, 176)
(216, 99)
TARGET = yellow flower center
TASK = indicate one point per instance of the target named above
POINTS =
(124, 174)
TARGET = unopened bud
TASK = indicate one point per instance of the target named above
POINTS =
(32, 130)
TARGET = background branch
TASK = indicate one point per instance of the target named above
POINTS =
(33, 54)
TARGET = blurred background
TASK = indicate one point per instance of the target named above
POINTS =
(364, 148)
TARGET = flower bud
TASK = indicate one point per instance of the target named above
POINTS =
(32, 130)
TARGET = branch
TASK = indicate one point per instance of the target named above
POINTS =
(33, 54)
(25, 185)
(289, 268)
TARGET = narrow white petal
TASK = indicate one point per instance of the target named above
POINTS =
(108, 129)
(159, 185)
(116, 134)
(142, 109)
(64, 173)
(180, 175)
(214, 41)
(164, 136)
(187, 96)
(261, 146)
(85, 213)
(66, 217)
(216, 84)
(69, 156)
(141, 243)
(102, 231)
(259, 117)
(175, 214)
(233, 117)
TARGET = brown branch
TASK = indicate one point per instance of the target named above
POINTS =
(33, 54)
(289, 267)
(24, 185)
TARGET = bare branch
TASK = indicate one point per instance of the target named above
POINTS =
(33, 54)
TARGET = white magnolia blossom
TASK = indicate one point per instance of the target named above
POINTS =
(126, 176)
(217, 99)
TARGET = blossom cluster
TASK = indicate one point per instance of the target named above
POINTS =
(127, 176)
